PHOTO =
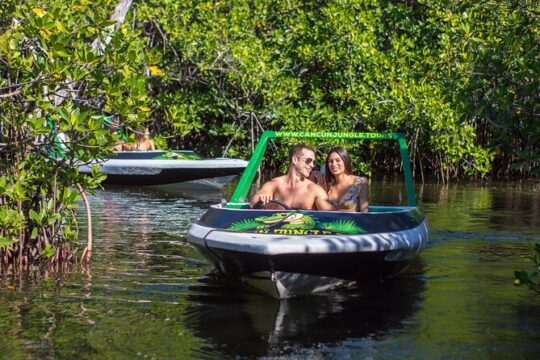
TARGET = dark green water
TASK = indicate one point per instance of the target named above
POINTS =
(146, 294)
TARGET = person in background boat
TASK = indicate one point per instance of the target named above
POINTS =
(119, 146)
(142, 143)
(346, 191)
(295, 189)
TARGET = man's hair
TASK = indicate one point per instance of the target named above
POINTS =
(297, 149)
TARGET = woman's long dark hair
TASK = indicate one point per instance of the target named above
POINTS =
(344, 155)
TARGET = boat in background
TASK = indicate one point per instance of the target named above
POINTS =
(292, 252)
(163, 168)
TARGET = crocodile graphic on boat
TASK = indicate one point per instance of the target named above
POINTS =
(301, 223)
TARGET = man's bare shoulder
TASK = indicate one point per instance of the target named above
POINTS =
(279, 179)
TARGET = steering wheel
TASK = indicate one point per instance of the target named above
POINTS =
(259, 204)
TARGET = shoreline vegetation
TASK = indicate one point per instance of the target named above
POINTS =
(459, 78)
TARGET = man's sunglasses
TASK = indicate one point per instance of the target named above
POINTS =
(308, 161)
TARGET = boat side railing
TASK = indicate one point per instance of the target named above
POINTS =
(371, 209)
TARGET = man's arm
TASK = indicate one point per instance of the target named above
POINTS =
(265, 194)
(321, 198)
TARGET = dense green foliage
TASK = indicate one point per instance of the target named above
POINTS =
(53, 81)
(460, 78)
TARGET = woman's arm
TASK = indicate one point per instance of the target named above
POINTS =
(363, 195)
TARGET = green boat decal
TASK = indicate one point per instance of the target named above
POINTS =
(243, 225)
(295, 224)
(170, 155)
(343, 226)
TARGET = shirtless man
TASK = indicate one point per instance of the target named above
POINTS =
(295, 189)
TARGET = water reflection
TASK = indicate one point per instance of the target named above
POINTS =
(270, 327)
(479, 207)
(145, 294)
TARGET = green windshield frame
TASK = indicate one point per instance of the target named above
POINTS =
(244, 185)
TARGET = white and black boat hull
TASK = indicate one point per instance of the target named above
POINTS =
(139, 168)
(385, 244)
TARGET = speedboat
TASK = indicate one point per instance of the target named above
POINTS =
(292, 252)
(167, 168)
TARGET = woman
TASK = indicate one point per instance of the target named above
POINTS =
(346, 192)
(142, 143)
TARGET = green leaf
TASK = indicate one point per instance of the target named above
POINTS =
(6, 242)
(36, 217)
(62, 54)
(48, 251)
